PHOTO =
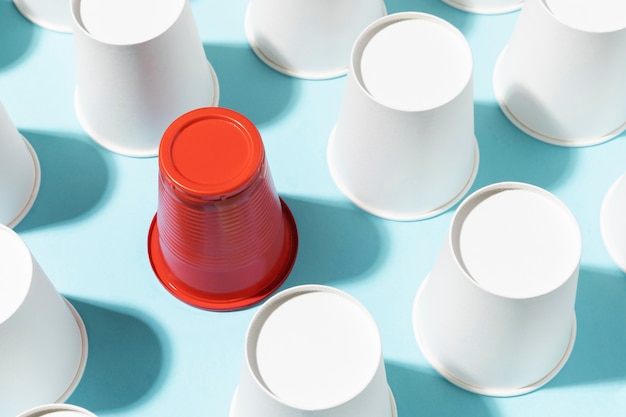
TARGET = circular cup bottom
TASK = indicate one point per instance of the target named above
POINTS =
(120, 149)
(488, 391)
(391, 214)
(35, 190)
(576, 143)
(218, 302)
(60, 22)
(507, 8)
(392, 401)
(611, 216)
(56, 409)
(294, 72)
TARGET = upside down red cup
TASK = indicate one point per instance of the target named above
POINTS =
(221, 239)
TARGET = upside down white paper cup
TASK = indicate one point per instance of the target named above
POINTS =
(135, 75)
(486, 6)
(308, 38)
(496, 313)
(49, 14)
(57, 410)
(561, 77)
(313, 351)
(20, 173)
(404, 146)
(43, 339)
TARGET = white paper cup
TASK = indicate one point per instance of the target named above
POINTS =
(49, 14)
(308, 38)
(561, 77)
(404, 147)
(613, 222)
(313, 351)
(57, 410)
(43, 339)
(137, 75)
(496, 316)
(486, 6)
(20, 173)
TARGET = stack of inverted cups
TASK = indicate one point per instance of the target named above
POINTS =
(496, 313)
(135, 75)
(20, 173)
(404, 147)
(222, 239)
(308, 38)
(561, 77)
(43, 339)
(313, 351)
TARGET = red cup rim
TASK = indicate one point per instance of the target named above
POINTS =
(218, 302)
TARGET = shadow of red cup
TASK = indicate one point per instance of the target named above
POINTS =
(221, 239)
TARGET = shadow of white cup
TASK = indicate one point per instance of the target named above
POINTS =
(308, 38)
(561, 77)
(20, 173)
(496, 316)
(403, 147)
(486, 6)
(313, 351)
(613, 222)
(134, 75)
(43, 338)
(57, 410)
(49, 14)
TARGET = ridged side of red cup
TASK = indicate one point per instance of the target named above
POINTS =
(222, 239)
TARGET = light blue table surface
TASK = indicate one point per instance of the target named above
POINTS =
(152, 355)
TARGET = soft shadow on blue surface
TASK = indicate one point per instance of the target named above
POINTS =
(457, 17)
(599, 354)
(508, 154)
(16, 34)
(249, 86)
(75, 178)
(419, 392)
(335, 242)
(128, 358)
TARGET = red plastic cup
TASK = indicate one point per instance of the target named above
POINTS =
(221, 239)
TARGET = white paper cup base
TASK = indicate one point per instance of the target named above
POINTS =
(47, 14)
(83, 358)
(500, 9)
(613, 222)
(397, 215)
(35, 191)
(488, 391)
(114, 146)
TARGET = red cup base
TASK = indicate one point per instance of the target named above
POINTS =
(221, 302)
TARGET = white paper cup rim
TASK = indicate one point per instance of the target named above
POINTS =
(46, 22)
(395, 215)
(35, 190)
(498, 87)
(52, 409)
(431, 357)
(292, 72)
(84, 352)
(500, 9)
(131, 151)
(613, 206)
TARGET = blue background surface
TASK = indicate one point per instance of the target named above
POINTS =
(152, 355)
